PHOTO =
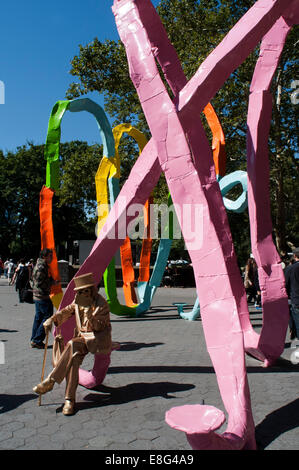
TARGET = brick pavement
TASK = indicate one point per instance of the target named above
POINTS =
(162, 363)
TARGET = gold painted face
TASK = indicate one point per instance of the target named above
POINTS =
(86, 292)
(84, 297)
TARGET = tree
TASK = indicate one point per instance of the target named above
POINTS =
(195, 28)
(21, 179)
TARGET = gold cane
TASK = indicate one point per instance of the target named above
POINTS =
(44, 364)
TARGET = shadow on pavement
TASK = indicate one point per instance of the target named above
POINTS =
(276, 423)
(285, 366)
(149, 317)
(161, 308)
(8, 331)
(10, 402)
(131, 392)
(131, 346)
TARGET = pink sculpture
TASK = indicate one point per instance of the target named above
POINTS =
(271, 277)
(191, 177)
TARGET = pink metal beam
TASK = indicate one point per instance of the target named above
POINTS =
(271, 277)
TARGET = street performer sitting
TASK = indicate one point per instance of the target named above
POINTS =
(92, 334)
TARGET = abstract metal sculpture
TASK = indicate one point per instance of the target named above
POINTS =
(179, 148)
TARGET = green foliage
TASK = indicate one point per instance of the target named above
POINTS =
(79, 164)
(103, 67)
(21, 179)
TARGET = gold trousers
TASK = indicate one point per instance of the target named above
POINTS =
(68, 366)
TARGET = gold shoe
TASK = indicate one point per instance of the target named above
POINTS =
(44, 387)
(69, 407)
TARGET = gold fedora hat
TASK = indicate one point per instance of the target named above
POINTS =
(84, 281)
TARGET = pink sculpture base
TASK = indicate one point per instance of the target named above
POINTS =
(96, 376)
(199, 422)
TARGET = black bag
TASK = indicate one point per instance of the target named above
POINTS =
(22, 277)
(27, 295)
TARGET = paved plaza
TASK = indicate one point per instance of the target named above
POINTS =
(162, 363)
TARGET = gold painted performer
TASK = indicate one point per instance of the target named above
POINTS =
(92, 334)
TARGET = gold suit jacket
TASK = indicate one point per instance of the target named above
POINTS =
(92, 323)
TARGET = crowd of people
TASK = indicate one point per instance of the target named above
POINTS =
(292, 286)
(291, 272)
(18, 274)
(34, 276)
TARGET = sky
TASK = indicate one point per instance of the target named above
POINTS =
(37, 43)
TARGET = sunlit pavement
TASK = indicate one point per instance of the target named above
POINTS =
(162, 362)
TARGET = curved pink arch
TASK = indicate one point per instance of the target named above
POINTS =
(271, 277)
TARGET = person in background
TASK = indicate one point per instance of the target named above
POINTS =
(15, 273)
(30, 265)
(21, 278)
(249, 280)
(6, 268)
(10, 271)
(256, 282)
(41, 284)
(167, 280)
(292, 285)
